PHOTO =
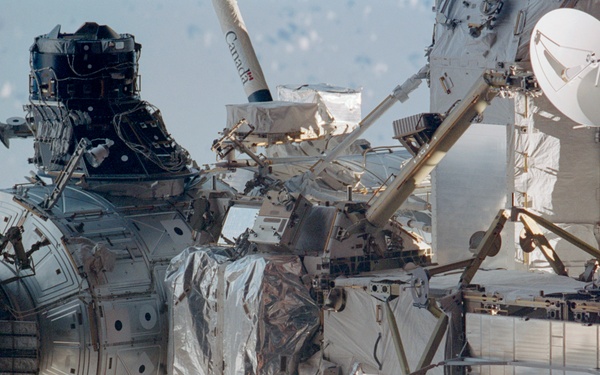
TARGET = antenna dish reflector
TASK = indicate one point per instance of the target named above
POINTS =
(565, 56)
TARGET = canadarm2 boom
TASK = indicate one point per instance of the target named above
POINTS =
(430, 155)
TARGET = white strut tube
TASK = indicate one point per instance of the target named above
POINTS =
(400, 94)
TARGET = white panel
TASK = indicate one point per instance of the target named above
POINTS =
(126, 277)
(476, 337)
(65, 360)
(165, 235)
(55, 276)
(139, 359)
(117, 324)
(502, 345)
(468, 190)
(557, 345)
(491, 337)
(532, 340)
(349, 341)
(543, 342)
(77, 201)
(129, 320)
(581, 346)
(179, 232)
(65, 335)
(48, 269)
(9, 215)
(239, 218)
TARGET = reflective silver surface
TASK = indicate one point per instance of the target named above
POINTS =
(96, 291)
(252, 315)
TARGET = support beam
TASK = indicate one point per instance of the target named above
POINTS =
(63, 178)
(400, 353)
(400, 94)
(431, 154)
(559, 231)
(436, 336)
(484, 247)
(541, 242)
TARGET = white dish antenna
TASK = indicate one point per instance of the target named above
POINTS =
(565, 56)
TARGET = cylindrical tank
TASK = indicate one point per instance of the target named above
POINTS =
(91, 300)
(93, 63)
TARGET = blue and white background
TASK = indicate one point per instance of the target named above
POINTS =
(187, 71)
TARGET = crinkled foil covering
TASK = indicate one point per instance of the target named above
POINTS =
(252, 315)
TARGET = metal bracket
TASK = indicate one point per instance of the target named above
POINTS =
(519, 212)
(419, 287)
(533, 231)
(400, 353)
(229, 142)
(15, 127)
(383, 290)
(484, 248)
(21, 258)
(436, 336)
(65, 175)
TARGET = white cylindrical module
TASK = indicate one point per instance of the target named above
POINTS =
(86, 298)
(242, 52)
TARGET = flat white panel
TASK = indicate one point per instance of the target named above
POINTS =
(178, 231)
(532, 340)
(581, 346)
(468, 190)
(139, 361)
(491, 337)
(65, 335)
(474, 333)
(557, 341)
(239, 218)
(127, 276)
